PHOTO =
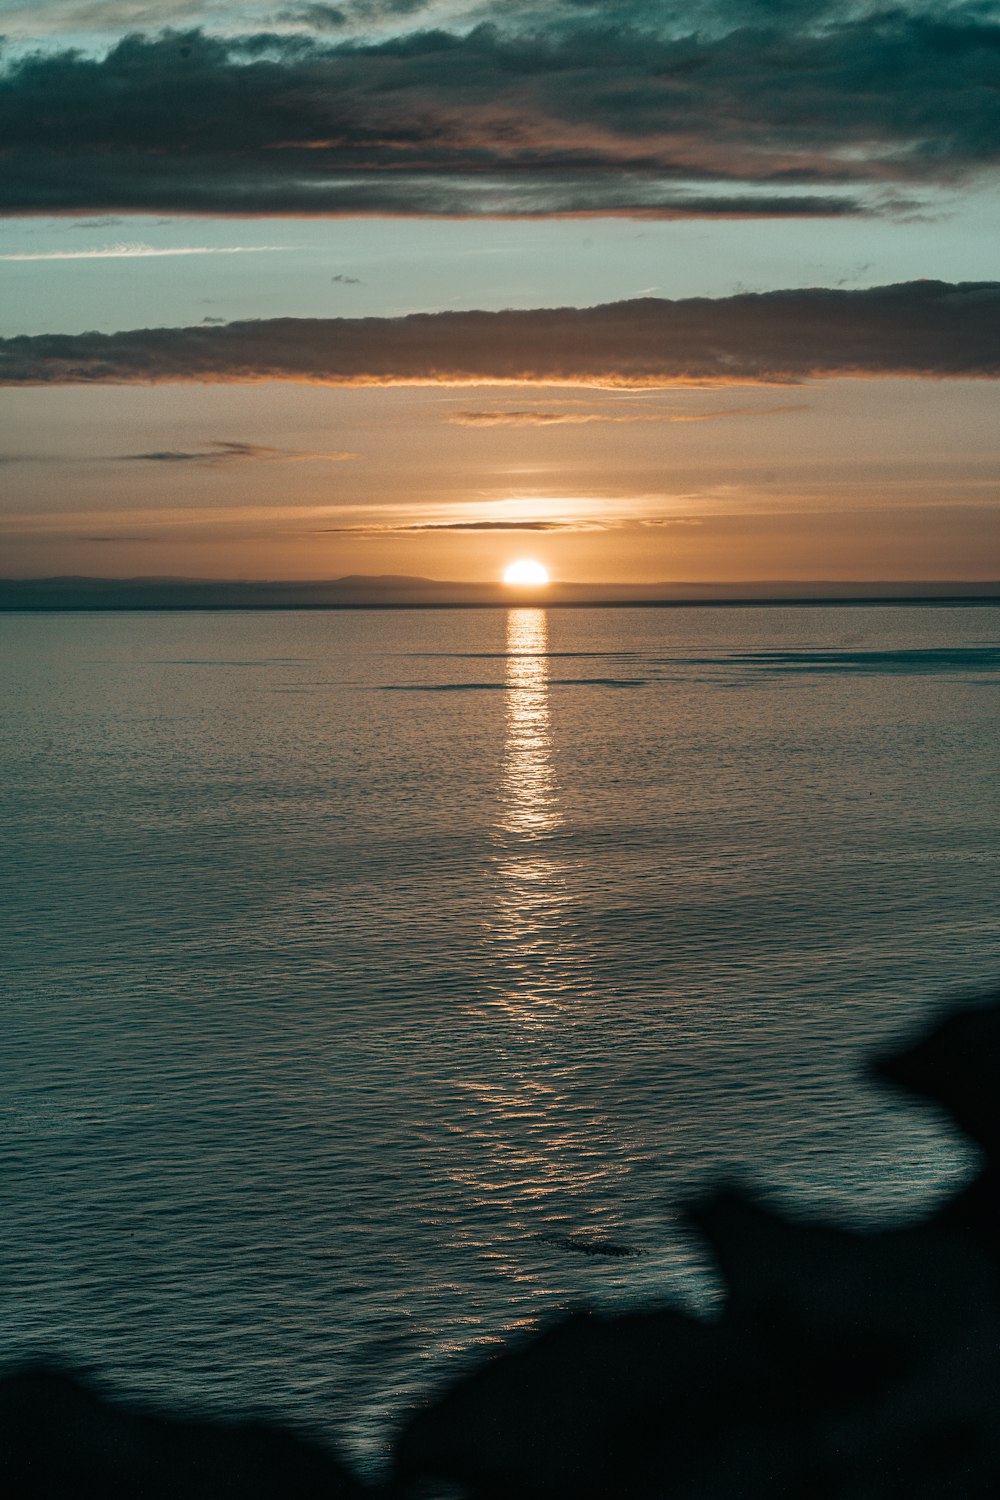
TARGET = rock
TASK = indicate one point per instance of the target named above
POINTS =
(846, 1366)
(957, 1065)
(59, 1439)
(557, 1416)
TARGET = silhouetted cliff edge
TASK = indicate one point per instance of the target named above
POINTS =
(845, 1366)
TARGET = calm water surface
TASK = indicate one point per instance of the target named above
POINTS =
(356, 962)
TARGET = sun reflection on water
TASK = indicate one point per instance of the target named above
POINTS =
(529, 885)
(543, 1155)
(528, 792)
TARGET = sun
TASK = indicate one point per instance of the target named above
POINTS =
(525, 570)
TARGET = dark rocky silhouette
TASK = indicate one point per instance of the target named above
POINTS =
(848, 1365)
(845, 1366)
(957, 1066)
(59, 1439)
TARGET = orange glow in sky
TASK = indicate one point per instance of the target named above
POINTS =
(526, 571)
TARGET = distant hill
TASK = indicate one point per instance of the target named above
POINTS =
(401, 591)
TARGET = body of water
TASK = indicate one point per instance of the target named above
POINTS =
(370, 977)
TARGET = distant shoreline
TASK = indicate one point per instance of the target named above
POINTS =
(68, 594)
(197, 607)
(934, 602)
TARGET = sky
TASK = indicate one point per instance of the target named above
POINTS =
(648, 292)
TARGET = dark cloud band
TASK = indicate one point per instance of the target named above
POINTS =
(779, 116)
(922, 328)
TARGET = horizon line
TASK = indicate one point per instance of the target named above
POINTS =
(119, 580)
(81, 593)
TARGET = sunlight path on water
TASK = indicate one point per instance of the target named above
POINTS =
(529, 805)
(548, 1151)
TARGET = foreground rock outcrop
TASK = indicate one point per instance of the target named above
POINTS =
(61, 1441)
(845, 1366)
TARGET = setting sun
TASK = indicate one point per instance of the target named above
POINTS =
(526, 571)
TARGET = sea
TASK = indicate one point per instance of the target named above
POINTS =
(379, 985)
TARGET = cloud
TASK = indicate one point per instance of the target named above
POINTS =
(537, 417)
(571, 523)
(31, 19)
(219, 453)
(403, 529)
(139, 251)
(919, 328)
(670, 521)
(501, 526)
(527, 417)
(316, 17)
(321, 17)
(774, 111)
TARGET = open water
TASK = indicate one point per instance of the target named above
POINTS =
(370, 977)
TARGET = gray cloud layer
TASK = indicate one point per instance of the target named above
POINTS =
(793, 109)
(921, 328)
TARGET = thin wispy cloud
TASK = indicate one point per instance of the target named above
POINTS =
(218, 454)
(532, 417)
(670, 521)
(927, 329)
(473, 526)
(581, 524)
(136, 250)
